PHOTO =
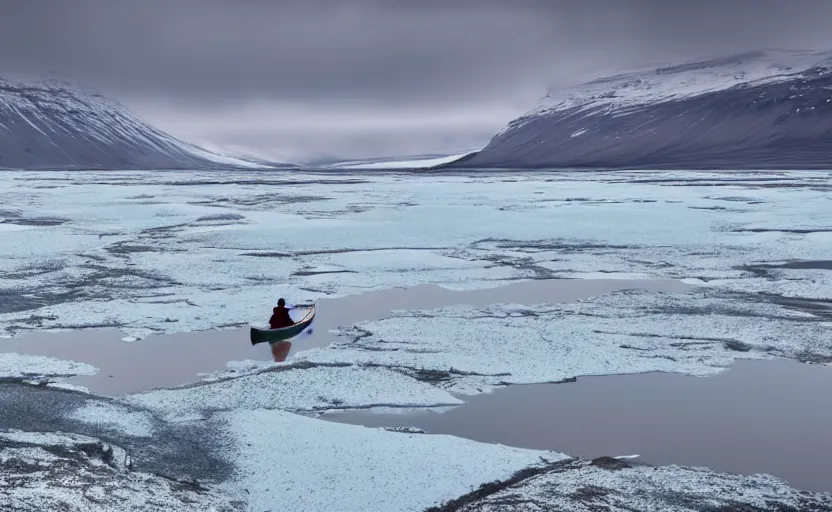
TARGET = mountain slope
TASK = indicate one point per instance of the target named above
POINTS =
(401, 163)
(49, 125)
(759, 110)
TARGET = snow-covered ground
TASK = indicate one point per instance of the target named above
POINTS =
(326, 466)
(75, 473)
(173, 252)
(614, 485)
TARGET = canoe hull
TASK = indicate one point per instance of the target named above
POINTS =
(259, 335)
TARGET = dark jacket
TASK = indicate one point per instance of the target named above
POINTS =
(280, 318)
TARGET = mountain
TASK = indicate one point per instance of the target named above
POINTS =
(59, 125)
(761, 110)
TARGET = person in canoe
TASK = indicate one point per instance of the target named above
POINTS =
(280, 316)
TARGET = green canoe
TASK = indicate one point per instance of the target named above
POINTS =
(261, 335)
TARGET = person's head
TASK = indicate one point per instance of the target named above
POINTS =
(281, 302)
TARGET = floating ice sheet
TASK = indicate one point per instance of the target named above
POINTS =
(298, 389)
(30, 366)
(183, 251)
(469, 350)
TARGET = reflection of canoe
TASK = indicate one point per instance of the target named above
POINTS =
(261, 335)
(280, 350)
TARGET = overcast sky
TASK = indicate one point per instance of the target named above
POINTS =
(303, 80)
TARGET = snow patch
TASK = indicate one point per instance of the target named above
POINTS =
(14, 365)
(307, 389)
(402, 164)
(115, 417)
(313, 465)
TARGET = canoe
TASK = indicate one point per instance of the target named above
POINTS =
(261, 335)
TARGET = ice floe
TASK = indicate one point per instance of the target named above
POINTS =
(469, 350)
(297, 388)
(180, 251)
(27, 366)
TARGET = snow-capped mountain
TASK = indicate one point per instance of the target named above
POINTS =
(759, 110)
(59, 125)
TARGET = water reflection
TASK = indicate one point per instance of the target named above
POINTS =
(771, 416)
(280, 350)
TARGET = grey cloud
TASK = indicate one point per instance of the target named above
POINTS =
(177, 60)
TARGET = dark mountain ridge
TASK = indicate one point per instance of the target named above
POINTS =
(760, 110)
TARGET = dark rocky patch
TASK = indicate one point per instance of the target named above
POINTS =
(490, 488)
(796, 231)
(220, 219)
(821, 308)
(406, 430)
(178, 451)
(735, 199)
(610, 463)
(368, 249)
(743, 507)
(334, 251)
(36, 221)
(267, 254)
(762, 269)
(81, 475)
(260, 201)
(717, 209)
(93, 450)
(551, 487)
(560, 245)
(738, 346)
(307, 273)
(740, 298)
(35, 270)
(127, 248)
(163, 232)
(432, 376)
(810, 357)
(522, 264)
(264, 182)
(15, 301)
(589, 493)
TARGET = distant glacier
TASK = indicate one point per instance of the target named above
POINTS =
(760, 110)
(59, 125)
